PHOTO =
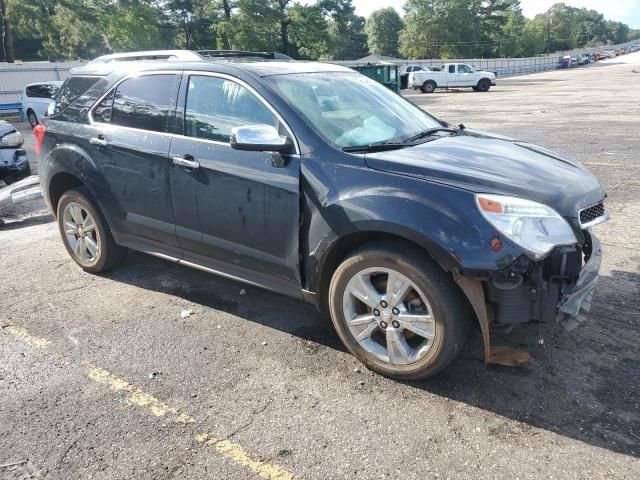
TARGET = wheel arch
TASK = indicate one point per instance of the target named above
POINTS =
(60, 183)
(343, 245)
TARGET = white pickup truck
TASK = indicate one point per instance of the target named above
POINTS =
(452, 75)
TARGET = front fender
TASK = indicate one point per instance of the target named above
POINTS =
(441, 219)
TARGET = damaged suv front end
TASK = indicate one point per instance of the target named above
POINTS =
(556, 276)
(527, 252)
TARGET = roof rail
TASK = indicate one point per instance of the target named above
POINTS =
(243, 54)
(183, 55)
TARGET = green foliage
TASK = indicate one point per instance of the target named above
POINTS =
(133, 28)
(325, 29)
(383, 31)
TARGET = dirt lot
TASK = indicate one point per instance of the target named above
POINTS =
(102, 378)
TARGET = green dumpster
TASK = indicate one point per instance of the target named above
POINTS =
(387, 75)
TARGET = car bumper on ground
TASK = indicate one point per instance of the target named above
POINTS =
(13, 163)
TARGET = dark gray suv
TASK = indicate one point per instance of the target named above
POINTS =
(314, 181)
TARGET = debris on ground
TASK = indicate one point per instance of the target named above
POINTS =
(186, 313)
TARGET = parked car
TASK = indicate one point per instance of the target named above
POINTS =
(314, 181)
(14, 164)
(36, 98)
(452, 75)
(406, 69)
(583, 59)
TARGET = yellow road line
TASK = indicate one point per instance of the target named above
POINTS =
(137, 397)
(240, 456)
(230, 450)
(22, 334)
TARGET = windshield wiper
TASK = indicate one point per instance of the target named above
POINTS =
(376, 147)
(409, 142)
(431, 131)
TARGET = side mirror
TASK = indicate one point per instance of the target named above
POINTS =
(259, 138)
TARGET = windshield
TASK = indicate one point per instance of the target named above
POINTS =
(349, 109)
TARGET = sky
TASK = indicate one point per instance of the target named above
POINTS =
(627, 11)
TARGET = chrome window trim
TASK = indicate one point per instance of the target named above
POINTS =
(224, 76)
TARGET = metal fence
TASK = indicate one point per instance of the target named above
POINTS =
(503, 66)
(14, 76)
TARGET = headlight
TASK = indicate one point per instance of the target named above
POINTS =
(11, 140)
(533, 226)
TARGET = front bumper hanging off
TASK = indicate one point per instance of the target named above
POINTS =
(576, 300)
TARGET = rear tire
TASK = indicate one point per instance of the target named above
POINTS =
(32, 117)
(483, 85)
(428, 87)
(408, 335)
(85, 233)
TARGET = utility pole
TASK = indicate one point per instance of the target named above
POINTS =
(548, 34)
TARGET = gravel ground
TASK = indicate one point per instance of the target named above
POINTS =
(102, 377)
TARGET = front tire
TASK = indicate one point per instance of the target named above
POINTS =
(85, 233)
(397, 311)
(483, 85)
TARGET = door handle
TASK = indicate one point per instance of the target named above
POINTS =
(186, 161)
(99, 141)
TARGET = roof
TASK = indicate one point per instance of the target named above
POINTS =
(49, 82)
(185, 55)
(259, 67)
(378, 59)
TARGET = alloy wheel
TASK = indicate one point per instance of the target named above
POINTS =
(388, 315)
(81, 233)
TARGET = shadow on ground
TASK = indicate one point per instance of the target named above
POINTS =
(583, 385)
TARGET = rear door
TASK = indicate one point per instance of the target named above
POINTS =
(237, 211)
(452, 75)
(131, 143)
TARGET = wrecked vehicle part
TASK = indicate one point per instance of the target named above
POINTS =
(560, 287)
(576, 301)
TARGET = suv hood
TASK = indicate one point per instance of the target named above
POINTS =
(484, 163)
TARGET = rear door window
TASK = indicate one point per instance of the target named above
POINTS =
(71, 89)
(142, 102)
(41, 91)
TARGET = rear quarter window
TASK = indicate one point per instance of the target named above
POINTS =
(71, 89)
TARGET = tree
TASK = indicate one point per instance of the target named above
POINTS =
(346, 30)
(383, 31)
(262, 25)
(133, 27)
(6, 35)
(308, 32)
